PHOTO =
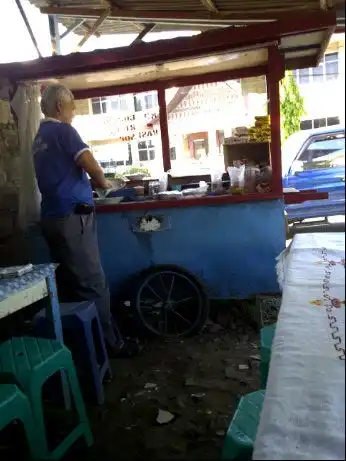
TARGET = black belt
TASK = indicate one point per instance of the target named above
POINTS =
(83, 208)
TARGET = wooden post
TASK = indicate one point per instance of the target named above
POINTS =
(276, 71)
(164, 129)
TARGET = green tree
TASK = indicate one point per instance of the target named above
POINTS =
(292, 106)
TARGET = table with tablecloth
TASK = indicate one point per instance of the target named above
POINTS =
(303, 415)
(19, 292)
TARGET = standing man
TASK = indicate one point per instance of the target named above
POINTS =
(62, 161)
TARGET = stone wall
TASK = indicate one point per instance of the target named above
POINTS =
(12, 245)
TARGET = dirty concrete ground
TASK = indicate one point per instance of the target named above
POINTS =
(197, 380)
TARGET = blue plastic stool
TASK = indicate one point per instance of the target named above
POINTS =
(242, 431)
(75, 316)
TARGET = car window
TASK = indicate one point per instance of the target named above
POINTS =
(325, 152)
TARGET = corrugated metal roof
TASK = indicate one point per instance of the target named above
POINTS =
(201, 9)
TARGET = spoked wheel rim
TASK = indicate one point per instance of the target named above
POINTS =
(169, 303)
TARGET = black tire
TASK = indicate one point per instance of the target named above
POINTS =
(149, 299)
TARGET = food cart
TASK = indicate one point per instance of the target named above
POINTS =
(211, 247)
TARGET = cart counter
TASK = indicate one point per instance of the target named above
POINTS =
(229, 242)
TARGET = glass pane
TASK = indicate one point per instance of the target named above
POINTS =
(333, 121)
(306, 125)
(138, 104)
(114, 105)
(152, 154)
(104, 107)
(123, 104)
(172, 153)
(143, 155)
(331, 57)
(96, 106)
(317, 73)
(319, 122)
(325, 152)
(304, 75)
(332, 70)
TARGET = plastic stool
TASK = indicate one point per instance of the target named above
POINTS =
(30, 362)
(267, 337)
(241, 433)
(15, 406)
(83, 315)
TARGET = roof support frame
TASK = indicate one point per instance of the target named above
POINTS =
(93, 28)
(54, 34)
(78, 23)
(210, 6)
(181, 17)
(28, 27)
(146, 29)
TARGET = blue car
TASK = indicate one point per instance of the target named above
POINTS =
(315, 159)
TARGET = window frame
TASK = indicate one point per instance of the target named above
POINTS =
(312, 71)
(149, 150)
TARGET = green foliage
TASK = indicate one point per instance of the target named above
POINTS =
(292, 106)
(135, 170)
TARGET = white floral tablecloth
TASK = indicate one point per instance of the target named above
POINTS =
(303, 416)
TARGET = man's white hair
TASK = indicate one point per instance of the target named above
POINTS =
(51, 96)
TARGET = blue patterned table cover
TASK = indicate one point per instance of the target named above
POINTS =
(11, 286)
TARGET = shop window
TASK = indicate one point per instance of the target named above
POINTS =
(146, 151)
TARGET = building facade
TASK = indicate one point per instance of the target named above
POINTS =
(124, 131)
(323, 87)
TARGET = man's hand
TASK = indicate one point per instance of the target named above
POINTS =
(87, 161)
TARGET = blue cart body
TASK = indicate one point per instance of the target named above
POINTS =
(230, 248)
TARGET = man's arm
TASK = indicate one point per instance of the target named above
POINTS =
(87, 161)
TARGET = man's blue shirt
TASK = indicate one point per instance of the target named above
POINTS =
(62, 183)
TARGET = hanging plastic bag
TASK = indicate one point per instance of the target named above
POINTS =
(236, 179)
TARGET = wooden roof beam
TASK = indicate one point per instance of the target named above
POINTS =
(146, 29)
(210, 6)
(180, 17)
(93, 28)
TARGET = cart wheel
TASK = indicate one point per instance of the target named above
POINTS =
(171, 302)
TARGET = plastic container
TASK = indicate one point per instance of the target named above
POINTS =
(163, 182)
(216, 181)
(251, 176)
(236, 179)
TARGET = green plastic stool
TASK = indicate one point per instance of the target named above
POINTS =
(30, 362)
(267, 337)
(241, 433)
(15, 406)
